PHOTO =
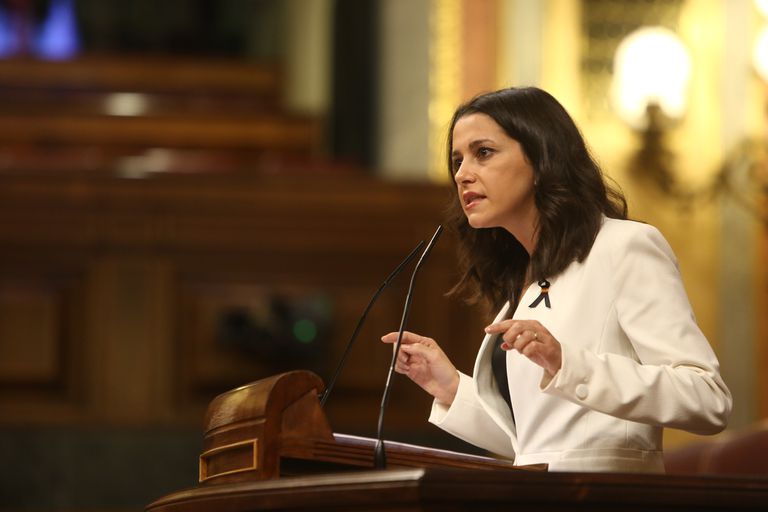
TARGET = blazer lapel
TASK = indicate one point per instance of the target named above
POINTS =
(486, 388)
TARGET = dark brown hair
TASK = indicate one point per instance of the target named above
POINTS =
(570, 193)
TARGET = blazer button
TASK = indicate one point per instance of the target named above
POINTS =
(582, 391)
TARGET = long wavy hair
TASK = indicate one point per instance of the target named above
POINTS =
(570, 193)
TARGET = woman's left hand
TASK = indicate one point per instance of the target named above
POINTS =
(531, 339)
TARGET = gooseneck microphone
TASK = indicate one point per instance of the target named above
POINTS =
(379, 455)
(360, 322)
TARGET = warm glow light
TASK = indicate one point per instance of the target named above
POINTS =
(760, 54)
(125, 104)
(762, 6)
(651, 65)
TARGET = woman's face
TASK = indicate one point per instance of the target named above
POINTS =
(493, 176)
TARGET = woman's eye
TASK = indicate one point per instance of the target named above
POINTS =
(456, 164)
(484, 152)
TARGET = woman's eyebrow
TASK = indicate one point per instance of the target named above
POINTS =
(472, 145)
(479, 142)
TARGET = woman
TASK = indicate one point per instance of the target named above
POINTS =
(595, 349)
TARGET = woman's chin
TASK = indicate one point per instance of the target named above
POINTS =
(476, 223)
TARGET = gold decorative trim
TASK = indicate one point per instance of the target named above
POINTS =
(445, 44)
(203, 463)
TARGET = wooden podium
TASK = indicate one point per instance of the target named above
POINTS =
(275, 428)
(268, 446)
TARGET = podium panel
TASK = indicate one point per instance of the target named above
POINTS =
(433, 489)
(268, 446)
(275, 427)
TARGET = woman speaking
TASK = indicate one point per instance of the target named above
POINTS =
(595, 348)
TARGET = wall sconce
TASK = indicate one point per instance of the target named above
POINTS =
(649, 92)
(652, 69)
(760, 54)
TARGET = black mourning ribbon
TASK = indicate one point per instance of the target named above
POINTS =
(544, 295)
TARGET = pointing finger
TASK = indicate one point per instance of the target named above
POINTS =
(408, 338)
(499, 326)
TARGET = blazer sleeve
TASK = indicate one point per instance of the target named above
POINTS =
(466, 419)
(674, 381)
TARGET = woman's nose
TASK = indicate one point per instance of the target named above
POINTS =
(464, 173)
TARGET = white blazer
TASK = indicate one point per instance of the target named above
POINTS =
(633, 361)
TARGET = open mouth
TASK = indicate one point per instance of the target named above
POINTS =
(471, 199)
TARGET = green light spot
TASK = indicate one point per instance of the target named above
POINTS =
(305, 330)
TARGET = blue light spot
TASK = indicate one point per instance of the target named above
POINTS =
(9, 43)
(58, 38)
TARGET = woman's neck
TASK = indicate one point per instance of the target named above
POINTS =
(525, 231)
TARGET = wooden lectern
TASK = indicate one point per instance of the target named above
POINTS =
(275, 427)
(268, 446)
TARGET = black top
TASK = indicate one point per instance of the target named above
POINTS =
(499, 368)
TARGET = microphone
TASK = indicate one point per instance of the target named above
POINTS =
(379, 455)
(360, 322)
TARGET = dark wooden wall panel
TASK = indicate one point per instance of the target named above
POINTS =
(41, 342)
(30, 341)
(165, 263)
(127, 241)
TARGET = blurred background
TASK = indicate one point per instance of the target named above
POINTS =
(196, 194)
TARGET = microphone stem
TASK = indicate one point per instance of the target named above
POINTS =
(360, 322)
(379, 454)
(359, 325)
(380, 457)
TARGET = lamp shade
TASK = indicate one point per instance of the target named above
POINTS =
(760, 54)
(762, 6)
(651, 66)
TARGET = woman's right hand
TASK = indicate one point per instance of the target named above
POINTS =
(425, 363)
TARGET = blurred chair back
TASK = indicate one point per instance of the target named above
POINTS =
(740, 453)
